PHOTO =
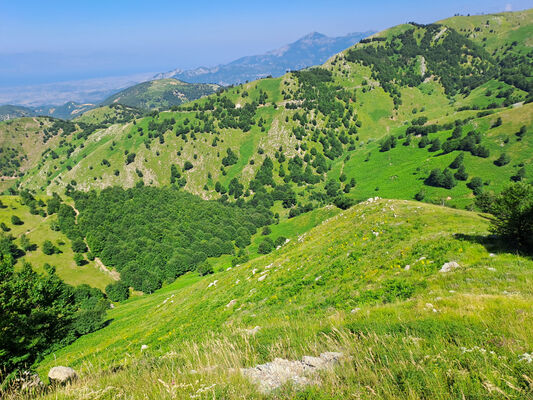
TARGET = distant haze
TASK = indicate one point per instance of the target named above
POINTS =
(43, 42)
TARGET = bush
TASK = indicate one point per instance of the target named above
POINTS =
(48, 248)
(205, 268)
(513, 215)
(266, 231)
(79, 259)
(476, 184)
(266, 246)
(117, 291)
(79, 246)
(16, 220)
(504, 159)
(461, 174)
(420, 195)
(280, 241)
(458, 161)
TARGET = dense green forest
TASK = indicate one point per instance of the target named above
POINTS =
(153, 235)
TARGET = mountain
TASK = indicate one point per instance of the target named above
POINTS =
(150, 95)
(312, 49)
(377, 119)
(265, 237)
(8, 112)
(68, 110)
(163, 93)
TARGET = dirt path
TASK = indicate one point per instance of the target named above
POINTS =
(113, 274)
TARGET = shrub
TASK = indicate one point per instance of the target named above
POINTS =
(15, 220)
(266, 246)
(48, 248)
(420, 195)
(205, 268)
(266, 231)
(79, 259)
(79, 246)
(513, 215)
(476, 184)
(461, 174)
(458, 161)
(117, 291)
(504, 159)
(280, 241)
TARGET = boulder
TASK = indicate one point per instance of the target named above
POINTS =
(61, 375)
(274, 374)
(449, 266)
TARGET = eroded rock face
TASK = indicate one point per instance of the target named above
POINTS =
(274, 374)
(61, 375)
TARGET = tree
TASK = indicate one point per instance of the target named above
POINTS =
(15, 220)
(513, 215)
(476, 184)
(205, 268)
(187, 166)
(79, 259)
(461, 173)
(79, 246)
(458, 161)
(48, 248)
(504, 159)
(435, 145)
(117, 291)
(26, 244)
(266, 246)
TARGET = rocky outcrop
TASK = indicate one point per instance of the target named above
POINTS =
(274, 374)
(61, 375)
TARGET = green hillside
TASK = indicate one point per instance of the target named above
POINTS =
(330, 124)
(160, 94)
(37, 229)
(365, 283)
(277, 219)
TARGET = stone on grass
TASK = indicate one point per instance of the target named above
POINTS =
(61, 375)
(274, 374)
(449, 266)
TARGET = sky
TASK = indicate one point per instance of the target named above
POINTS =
(59, 40)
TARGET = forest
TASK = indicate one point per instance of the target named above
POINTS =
(153, 235)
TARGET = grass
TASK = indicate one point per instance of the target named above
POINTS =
(37, 229)
(342, 286)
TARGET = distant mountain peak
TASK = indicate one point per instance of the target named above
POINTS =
(312, 49)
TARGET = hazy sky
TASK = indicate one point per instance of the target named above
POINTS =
(57, 40)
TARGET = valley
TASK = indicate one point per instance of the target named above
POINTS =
(358, 229)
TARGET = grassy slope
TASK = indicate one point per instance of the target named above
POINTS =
(400, 173)
(161, 93)
(433, 334)
(37, 229)
(26, 135)
(495, 31)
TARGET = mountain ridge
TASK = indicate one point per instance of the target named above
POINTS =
(274, 62)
